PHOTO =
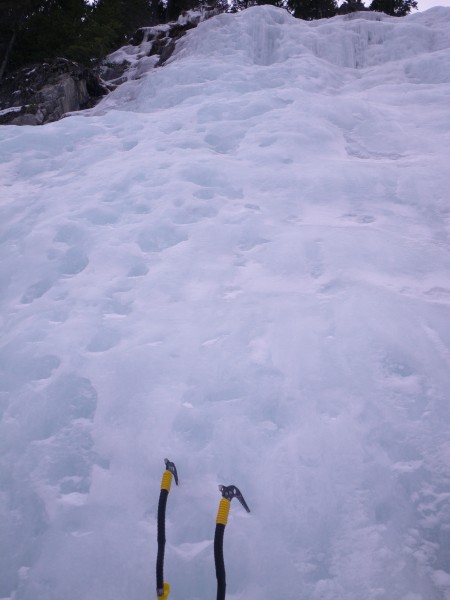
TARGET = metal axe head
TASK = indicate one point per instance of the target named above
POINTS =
(170, 466)
(231, 491)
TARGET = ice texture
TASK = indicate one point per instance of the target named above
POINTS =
(239, 261)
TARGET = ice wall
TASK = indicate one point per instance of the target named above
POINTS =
(357, 40)
(239, 261)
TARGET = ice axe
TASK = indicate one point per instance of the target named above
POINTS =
(162, 588)
(228, 493)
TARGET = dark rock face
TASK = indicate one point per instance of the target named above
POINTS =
(44, 93)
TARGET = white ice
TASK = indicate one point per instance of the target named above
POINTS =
(239, 261)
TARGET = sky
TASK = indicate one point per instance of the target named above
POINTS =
(425, 4)
(239, 261)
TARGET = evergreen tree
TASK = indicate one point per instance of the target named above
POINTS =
(36, 30)
(395, 8)
(350, 6)
(137, 13)
(14, 14)
(237, 5)
(40, 29)
(313, 9)
(174, 8)
(104, 29)
(279, 3)
(157, 12)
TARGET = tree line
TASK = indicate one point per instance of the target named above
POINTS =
(32, 31)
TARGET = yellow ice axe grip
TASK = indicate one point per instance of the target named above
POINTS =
(165, 592)
(166, 481)
(222, 513)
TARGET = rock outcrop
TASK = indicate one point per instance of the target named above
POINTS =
(46, 92)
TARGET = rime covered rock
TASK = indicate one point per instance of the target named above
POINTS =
(149, 47)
